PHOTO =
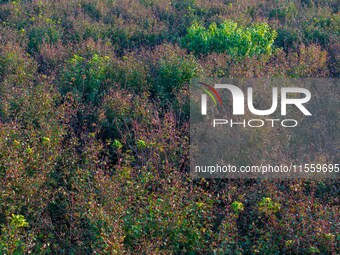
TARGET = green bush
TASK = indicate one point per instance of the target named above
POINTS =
(12, 238)
(91, 10)
(231, 38)
(267, 206)
(39, 34)
(172, 74)
(287, 39)
(17, 68)
(86, 78)
(172, 70)
(131, 73)
(237, 207)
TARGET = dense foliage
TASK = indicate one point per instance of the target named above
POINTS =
(235, 41)
(94, 126)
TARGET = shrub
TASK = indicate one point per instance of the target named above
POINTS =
(320, 29)
(16, 66)
(37, 35)
(268, 206)
(287, 39)
(12, 240)
(52, 56)
(311, 61)
(91, 10)
(86, 78)
(235, 40)
(171, 70)
(237, 207)
(131, 73)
